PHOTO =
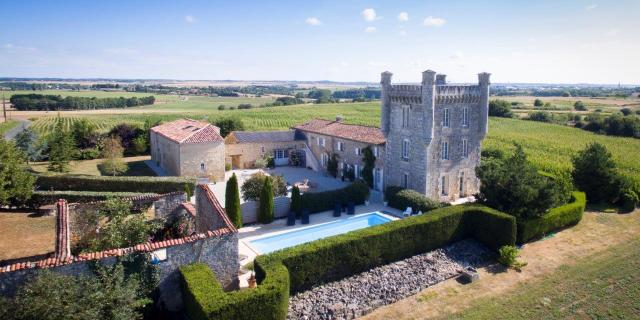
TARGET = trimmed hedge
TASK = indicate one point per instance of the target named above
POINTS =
(301, 267)
(557, 218)
(315, 202)
(115, 184)
(400, 199)
(40, 198)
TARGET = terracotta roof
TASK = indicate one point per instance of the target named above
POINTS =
(191, 209)
(338, 129)
(188, 131)
(264, 136)
(143, 247)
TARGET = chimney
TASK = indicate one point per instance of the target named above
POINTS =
(63, 245)
(441, 79)
(339, 118)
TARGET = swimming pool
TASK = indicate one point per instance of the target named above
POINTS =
(295, 237)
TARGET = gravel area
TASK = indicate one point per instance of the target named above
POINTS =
(360, 294)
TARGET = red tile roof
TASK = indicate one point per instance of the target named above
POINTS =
(338, 129)
(188, 131)
(191, 209)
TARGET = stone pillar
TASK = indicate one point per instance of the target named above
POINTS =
(63, 243)
(483, 83)
(441, 79)
(428, 103)
(385, 102)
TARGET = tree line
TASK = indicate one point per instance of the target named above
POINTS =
(28, 102)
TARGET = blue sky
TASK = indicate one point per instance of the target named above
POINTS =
(517, 41)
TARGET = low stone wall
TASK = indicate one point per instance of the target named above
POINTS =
(250, 209)
(219, 252)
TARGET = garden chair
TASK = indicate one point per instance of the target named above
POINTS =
(407, 212)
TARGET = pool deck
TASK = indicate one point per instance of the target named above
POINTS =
(279, 226)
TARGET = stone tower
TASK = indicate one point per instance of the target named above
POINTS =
(433, 134)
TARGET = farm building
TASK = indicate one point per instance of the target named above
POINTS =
(188, 147)
(243, 148)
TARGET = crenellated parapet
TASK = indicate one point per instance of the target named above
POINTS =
(447, 94)
(405, 94)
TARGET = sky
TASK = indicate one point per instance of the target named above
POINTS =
(554, 41)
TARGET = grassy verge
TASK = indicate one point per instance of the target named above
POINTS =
(135, 167)
(6, 126)
(606, 286)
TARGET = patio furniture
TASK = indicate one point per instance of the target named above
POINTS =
(337, 208)
(351, 208)
(419, 212)
(407, 212)
(291, 218)
(305, 216)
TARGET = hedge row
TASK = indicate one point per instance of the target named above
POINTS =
(401, 199)
(302, 267)
(40, 198)
(357, 192)
(115, 184)
(557, 218)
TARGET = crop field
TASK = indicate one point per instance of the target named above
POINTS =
(565, 104)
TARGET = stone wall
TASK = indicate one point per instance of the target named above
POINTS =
(165, 153)
(250, 152)
(250, 209)
(192, 155)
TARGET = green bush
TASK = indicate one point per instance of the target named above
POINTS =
(302, 267)
(557, 218)
(40, 198)
(115, 184)
(357, 192)
(402, 198)
(266, 208)
(508, 257)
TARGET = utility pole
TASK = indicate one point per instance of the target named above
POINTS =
(4, 106)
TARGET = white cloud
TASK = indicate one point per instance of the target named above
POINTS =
(344, 64)
(370, 29)
(456, 55)
(591, 7)
(613, 32)
(403, 16)
(369, 14)
(313, 21)
(403, 33)
(434, 22)
(190, 19)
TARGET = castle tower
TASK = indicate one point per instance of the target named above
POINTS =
(433, 134)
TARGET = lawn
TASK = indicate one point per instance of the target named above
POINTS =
(6, 126)
(606, 286)
(25, 234)
(135, 167)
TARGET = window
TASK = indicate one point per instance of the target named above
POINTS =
(341, 166)
(405, 180)
(279, 153)
(318, 139)
(462, 184)
(405, 149)
(356, 169)
(357, 151)
(340, 146)
(445, 150)
(465, 148)
(375, 152)
(444, 186)
(405, 116)
(262, 149)
(202, 167)
(325, 159)
(446, 121)
(322, 142)
(465, 117)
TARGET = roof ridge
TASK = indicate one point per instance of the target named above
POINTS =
(194, 132)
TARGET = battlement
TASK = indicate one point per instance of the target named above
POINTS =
(446, 94)
(405, 93)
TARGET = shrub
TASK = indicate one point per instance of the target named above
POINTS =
(579, 106)
(557, 218)
(265, 211)
(369, 160)
(402, 198)
(232, 201)
(500, 108)
(16, 184)
(508, 256)
(594, 173)
(357, 192)
(332, 164)
(538, 103)
(296, 201)
(40, 198)
(541, 116)
(301, 267)
(115, 184)
(252, 187)
(227, 125)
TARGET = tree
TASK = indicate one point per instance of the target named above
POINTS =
(84, 133)
(265, 213)
(513, 185)
(112, 153)
(252, 187)
(221, 107)
(625, 111)
(296, 201)
(580, 106)
(16, 183)
(27, 141)
(332, 164)
(140, 144)
(227, 125)
(369, 161)
(594, 172)
(500, 108)
(538, 103)
(127, 134)
(61, 148)
(232, 201)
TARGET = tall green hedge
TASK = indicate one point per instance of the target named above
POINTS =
(301, 267)
(40, 198)
(115, 184)
(557, 218)
(401, 199)
(357, 192)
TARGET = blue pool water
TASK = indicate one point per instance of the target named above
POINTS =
(296, 237)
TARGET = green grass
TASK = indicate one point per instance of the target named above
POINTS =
(6, 126)
(606, 286)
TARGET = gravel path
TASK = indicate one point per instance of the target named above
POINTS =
(362, 293)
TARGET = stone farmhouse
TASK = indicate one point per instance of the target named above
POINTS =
(429, 140)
